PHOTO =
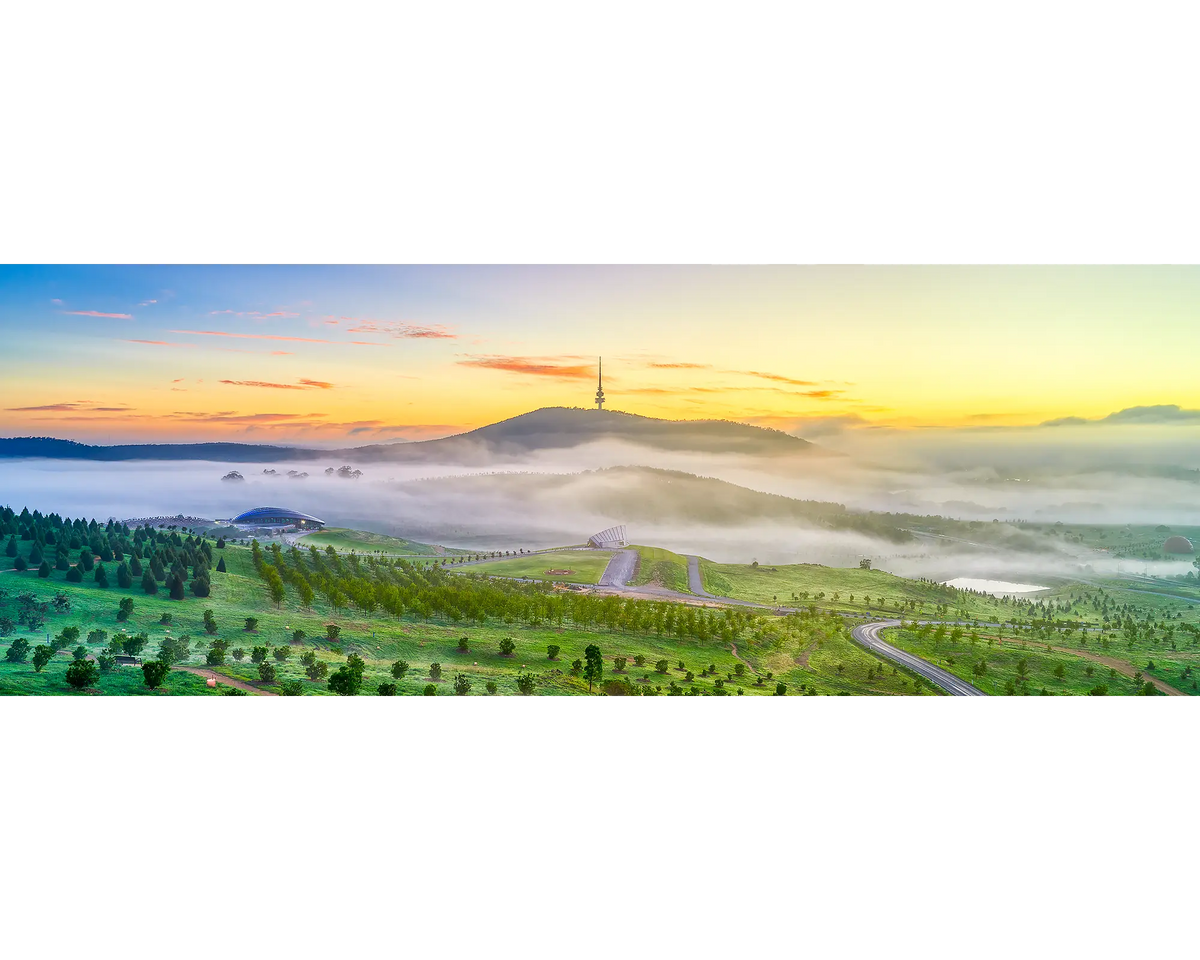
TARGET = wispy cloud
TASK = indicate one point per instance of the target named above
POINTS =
(401, 331)
(559, 368)
(301, 385)
(146, 303)
(159, 343)
(251, 313)
(775, 377)
(249, 336)
(680, 366)
(68, 407)
(97, 313)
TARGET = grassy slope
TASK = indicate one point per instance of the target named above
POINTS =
(662, 567)
(378, 639)
(787, 583)
(364, 541)
(587, 566)
(808, 658)
(1001, 659)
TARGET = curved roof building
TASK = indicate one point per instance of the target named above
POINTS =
(277, 518)
(1178, 545)
(610, 539)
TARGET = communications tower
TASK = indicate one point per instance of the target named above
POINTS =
(600, 385)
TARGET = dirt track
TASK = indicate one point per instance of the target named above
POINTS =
(224, 681)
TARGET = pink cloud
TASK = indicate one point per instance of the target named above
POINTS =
(97, 313)
(261, 383)
(249, 336)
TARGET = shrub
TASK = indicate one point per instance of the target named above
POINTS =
(639, 660)
(332, 632)
(462, 685)
(619, 664)
(41, 656)
(552, 651)
(82, 673)
(18, 651)
(258, 654)
(387, 689)
(281, 654)
(781, 689)
(399, 669)
(576, 666)
(251, 624)
(298, 636)
(490, 687)
(430, 690)
(507, 646)
(239, 654)
(317, 670)
(435, 671)
(266, 671)
(662, 666)
(463, 646)
(525, 683)
(291, 688)
(154, 672)
(80, 652)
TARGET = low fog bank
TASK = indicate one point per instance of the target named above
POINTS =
(531, 504)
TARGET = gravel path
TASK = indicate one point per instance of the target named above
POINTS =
(620, 569)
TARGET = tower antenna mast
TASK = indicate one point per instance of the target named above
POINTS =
(600, 385)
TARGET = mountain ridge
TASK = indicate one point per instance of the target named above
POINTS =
(548, 428)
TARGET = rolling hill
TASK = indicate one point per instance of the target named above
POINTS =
(548, 429)
(637, 495)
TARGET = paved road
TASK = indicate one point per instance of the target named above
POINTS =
(868, 636)
(695, 583)
(620, 569)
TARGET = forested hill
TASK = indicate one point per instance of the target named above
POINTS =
(552, 428)
(225, 452)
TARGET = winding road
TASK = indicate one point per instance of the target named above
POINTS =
(867, 635)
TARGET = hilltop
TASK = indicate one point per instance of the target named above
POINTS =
(637, 494)
(550, 428)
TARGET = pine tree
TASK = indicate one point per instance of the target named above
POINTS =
(149, 584)
(176, 587)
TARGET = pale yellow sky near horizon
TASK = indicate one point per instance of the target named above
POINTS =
(321, 353)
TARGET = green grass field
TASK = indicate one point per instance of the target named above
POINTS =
(806, 657)
(1001, 662)
(586, 566)
(836, 588)
(364, 541)
(811, 655)
(661, 567)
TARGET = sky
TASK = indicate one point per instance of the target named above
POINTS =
(333, 355)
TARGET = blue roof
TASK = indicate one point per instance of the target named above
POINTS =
(262, 513)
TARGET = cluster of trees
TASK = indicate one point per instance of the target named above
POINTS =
(80, 549)
(398, 588)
